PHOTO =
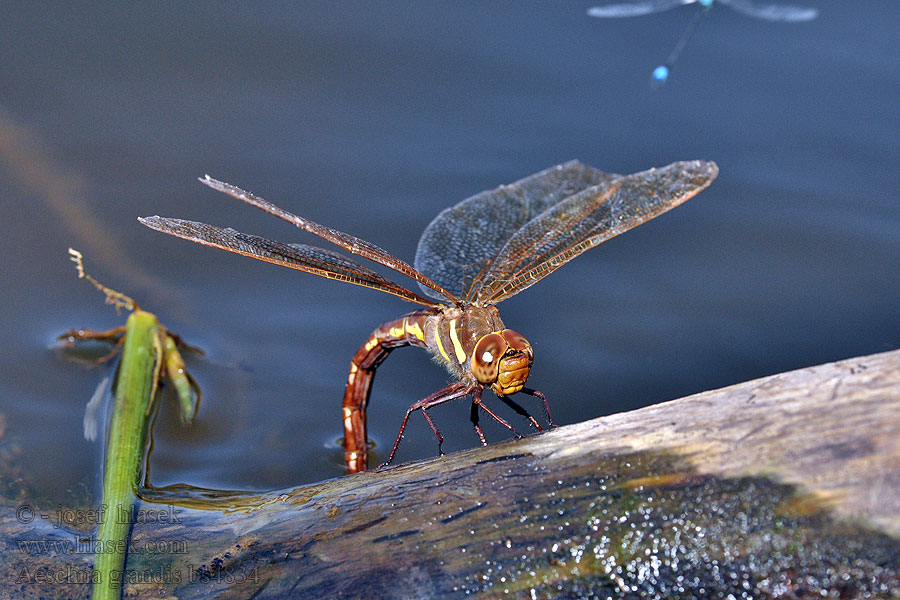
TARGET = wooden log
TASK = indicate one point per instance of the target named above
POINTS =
(782, 487)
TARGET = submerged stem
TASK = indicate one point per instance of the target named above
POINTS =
(136, 389)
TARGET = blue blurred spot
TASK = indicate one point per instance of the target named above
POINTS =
(661, 73)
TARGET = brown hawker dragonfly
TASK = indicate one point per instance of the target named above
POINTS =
(472, 256)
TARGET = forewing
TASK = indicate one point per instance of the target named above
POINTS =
(348, 242)
(311, 259)
(568, 228)
(459, 245)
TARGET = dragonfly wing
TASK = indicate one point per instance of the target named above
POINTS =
(311, 259)
(348, 242)
(635, 9)
(772, 12)
(582, 221)
(459, 245)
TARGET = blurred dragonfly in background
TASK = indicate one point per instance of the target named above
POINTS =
(768, 12)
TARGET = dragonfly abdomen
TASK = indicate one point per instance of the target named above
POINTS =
(408, 330)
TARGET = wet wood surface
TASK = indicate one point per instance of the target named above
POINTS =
(785, 484)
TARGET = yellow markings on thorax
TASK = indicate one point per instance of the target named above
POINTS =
(457, 347)
(437, 338)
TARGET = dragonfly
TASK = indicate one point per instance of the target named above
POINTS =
(768, 12)
(471, 257)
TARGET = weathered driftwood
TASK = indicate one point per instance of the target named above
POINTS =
(787, 486)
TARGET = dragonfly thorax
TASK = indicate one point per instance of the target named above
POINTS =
(472, 342)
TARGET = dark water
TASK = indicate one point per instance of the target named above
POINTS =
(372, 117)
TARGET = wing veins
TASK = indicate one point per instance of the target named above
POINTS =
(507, 256)
(629, 202)
(459, 246)
(310, 259)
(351, 243)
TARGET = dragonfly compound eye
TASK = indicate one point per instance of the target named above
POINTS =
(486, 357)
(518, 342)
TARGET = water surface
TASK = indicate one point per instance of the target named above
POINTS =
(373, 117)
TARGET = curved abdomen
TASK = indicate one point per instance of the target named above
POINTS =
(408, 330)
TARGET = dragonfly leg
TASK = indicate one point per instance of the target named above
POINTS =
(404, 331)
(521, 411)
(478, 403)
(473, 416)
(451, 392)
(436, 432)
(543, 398)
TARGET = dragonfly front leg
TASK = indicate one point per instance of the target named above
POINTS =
(521, 411)
(476, 404)
(543, 398)
(405, 331)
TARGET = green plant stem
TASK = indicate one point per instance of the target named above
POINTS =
(125, 449)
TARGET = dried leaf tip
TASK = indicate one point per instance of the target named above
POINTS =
(117, 299)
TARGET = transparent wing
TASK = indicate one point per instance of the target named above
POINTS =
(579, 222)
(312, 259)
(772, 12)
(348, 242)
(459, 245)
(635, 9)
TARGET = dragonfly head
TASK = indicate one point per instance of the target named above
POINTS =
(502, 360)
